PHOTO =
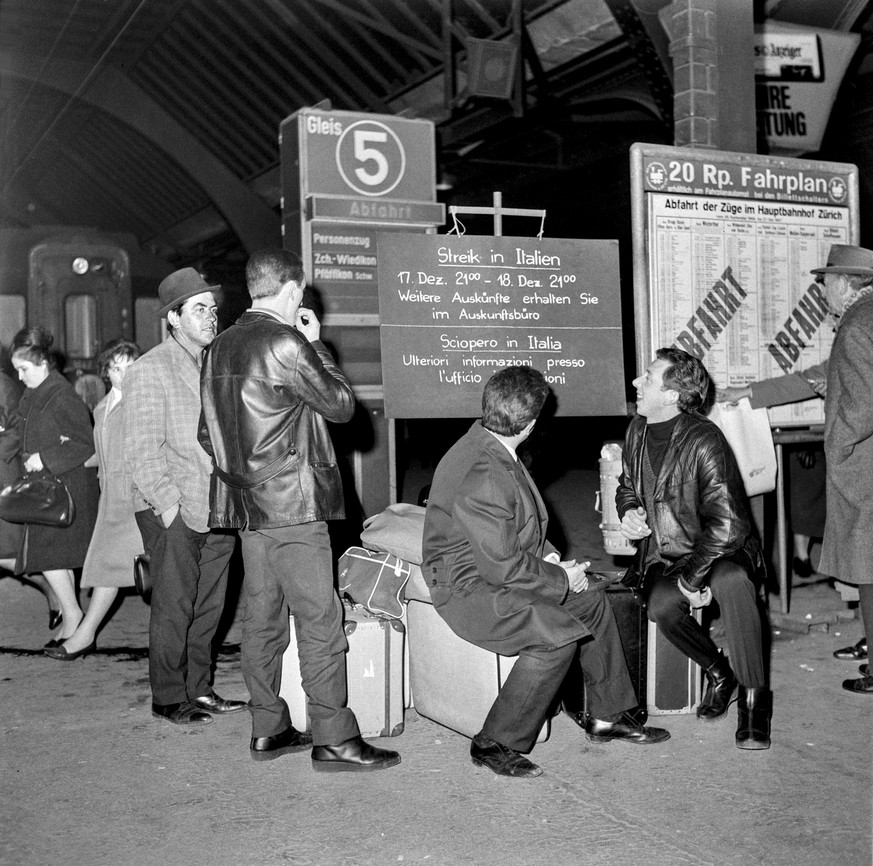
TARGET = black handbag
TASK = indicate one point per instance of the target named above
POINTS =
(38, 498)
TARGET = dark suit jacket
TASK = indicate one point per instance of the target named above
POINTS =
(484, 543)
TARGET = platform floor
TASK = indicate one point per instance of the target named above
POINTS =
(90, 777)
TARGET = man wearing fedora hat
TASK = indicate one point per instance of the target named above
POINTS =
(170, 471)
(847, 548)
(852, 268)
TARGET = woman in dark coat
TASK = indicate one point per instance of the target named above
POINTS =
(55, 436)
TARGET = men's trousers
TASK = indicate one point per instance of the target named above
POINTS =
(291, 567)
(737, 596)
(189, 583)
(520, 709)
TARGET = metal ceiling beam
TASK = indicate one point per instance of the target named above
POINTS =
(253, 221)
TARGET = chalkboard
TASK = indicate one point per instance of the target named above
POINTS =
(454, 310)
(723, 248)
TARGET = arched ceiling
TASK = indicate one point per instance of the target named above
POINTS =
(161, 117)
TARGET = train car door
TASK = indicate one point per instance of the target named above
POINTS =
(81, 291)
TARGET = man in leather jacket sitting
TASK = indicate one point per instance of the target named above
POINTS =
(268, 387)
(681, 497)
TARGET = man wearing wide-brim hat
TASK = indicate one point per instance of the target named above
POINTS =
(847, 548)
(171, 472)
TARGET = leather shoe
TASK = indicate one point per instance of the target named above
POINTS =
(500, 759)
(862, 686)
(214, 704)
(354, 755)
(640, 715)
(270, 748)
(720, 685)
(181, 714)
(59, 653)
(754, 709)
(855, 653)
(626, 728)
(56, 617)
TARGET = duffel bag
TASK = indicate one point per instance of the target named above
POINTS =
(375, 579)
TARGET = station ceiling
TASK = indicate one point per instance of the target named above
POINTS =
(161, 117)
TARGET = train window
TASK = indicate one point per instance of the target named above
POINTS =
(80, 326)
(12, 317)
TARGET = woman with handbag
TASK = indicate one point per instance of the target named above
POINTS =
(10, 470)
(55, 439)
(116, 539)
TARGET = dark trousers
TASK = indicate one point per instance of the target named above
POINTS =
(734, 589)
(520, 709)
(292, 567)
(189, 582)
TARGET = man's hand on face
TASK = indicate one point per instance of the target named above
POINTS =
(308, 324)
(634, 524)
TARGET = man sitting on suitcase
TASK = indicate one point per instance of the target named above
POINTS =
(682, 498)
(501, 585)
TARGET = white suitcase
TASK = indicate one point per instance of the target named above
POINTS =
(454, 683)
(374, 673)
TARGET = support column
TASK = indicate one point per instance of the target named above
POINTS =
(712, 47)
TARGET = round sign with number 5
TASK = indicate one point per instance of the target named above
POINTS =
(370, 157)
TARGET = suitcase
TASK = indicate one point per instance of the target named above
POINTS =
(374, 673)
(453, 682)
(673, 681)
(630, 616)
(374, 669)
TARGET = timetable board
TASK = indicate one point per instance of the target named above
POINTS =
(724, 244)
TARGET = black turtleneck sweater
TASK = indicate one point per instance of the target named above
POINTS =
(657, 439)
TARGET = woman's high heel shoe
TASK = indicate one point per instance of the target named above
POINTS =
(56, 617)
(60, 654)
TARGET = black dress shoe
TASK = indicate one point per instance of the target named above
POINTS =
(214, 704)
(862, 686)
(640, 715)
(855, 653)
(354, 755)
(59, 653)
(500, 759)
(270, 748)
(56, 617)
(720, 685)
(181, 714)
(626, 728)
(754, 709)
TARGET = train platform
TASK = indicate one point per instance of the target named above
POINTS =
(91, 778)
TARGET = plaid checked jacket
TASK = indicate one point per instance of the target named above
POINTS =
(161, 413)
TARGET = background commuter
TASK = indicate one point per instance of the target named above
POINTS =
(116, 539)
(54, 436)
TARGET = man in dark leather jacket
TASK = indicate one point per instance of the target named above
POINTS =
(681, 497)
(268, 387)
